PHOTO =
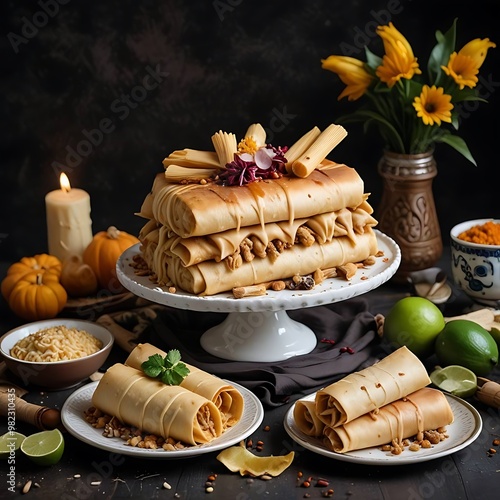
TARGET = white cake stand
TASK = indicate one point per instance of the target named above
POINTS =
(259, 328)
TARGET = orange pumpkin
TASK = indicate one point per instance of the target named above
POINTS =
(41, 263)
(77, 278)
(38, 295)
(102, 254)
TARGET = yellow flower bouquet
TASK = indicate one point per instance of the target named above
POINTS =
(407, 108)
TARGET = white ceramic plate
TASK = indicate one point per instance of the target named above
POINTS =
(72, 416)
(465, 428)
(331, 290)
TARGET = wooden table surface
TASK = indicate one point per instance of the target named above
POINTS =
(87, 472)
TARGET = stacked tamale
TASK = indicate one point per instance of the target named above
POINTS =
(204, 236)
(382, 404)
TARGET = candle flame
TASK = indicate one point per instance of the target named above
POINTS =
(64, 181)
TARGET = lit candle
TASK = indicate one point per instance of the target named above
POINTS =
(69, 227)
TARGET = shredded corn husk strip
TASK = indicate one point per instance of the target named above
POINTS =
(225, 146)
(318, 151)
(301, 146)
(249, 291)
(177, 173)
(257, 132)
(192, 158)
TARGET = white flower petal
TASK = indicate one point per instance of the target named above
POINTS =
(246, 157)
(262, 158)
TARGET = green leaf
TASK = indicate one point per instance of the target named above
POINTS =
(466, 94)
(168, 369)
(456, 143)
(172, 358)
(441, 52)
(171, 378)
(414, 89)
(175, 375)
(372, 60)
(391, 134)
(153, 366)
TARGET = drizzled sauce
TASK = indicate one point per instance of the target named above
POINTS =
(258, 195)
(291, 212)
(418, 414)
(372, 401)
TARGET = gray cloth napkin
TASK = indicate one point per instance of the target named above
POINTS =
(337, 326)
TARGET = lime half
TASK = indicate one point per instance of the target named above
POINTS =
(10, 443)
(456, 380)
(45, 447)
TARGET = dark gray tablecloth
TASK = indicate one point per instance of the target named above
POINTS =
(340, 325)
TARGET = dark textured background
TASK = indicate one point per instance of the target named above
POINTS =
(224, 64)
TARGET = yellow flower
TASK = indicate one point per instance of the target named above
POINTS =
(412, 107)
(352, 72)
(247, 145)
(464, 66)
(433, 105)
(398, 61)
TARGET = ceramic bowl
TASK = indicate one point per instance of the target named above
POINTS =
(54, 375)
(476, 267)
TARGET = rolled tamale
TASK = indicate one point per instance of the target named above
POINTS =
(210, 278)
(170, 411)
(228, 400)
(201, 209)
(423, 410)
(322, 228)
(306, 419)
(394, 377)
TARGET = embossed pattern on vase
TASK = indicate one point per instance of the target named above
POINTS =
(407, 211)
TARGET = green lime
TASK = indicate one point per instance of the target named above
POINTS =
(466, 343)
(455, 379)
(10, 443)
(45, 447)
(414, 322)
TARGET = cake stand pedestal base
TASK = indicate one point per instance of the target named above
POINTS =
(258, 336)
(259, 328)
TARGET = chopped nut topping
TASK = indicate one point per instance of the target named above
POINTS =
(301, 283)
(369, 261)
(27, 486)
(318, 276)
(272, 252)
(114, 428)
(348, 271)
(423, 440)
(246, 250)
(234, 261)
(258, 248)
(277, 286)
(305, 236)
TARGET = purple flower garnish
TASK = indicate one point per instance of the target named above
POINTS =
(238, 172)
(245, 168)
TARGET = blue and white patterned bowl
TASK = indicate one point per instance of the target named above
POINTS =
(476, 267)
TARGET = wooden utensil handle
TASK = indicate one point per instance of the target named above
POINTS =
(42, 417)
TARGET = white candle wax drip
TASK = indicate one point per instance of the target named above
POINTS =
(69, 226)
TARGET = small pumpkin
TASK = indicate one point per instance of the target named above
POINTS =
(42, 263)
(102, 254)
(38, 295)
(78, 278)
